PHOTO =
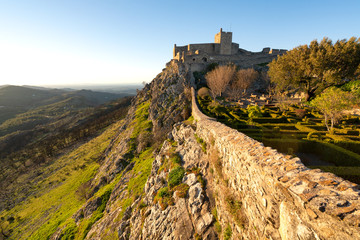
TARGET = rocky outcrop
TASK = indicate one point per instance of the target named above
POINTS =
(136, 215)
(186, 217)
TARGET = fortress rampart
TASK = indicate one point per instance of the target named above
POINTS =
(197, 56)
(282, 198)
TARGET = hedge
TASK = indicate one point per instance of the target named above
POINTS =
(270, 120)
(326, 151)
(282, 126)
(349, 173)
(349, 145)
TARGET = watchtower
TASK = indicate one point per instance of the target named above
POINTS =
(225, 40)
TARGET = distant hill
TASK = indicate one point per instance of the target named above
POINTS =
(20, 96)
(97, 97)
(20, 99)
(16, 96)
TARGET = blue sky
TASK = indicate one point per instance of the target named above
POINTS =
(108, 41)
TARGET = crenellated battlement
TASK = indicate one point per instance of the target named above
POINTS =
(222, 51)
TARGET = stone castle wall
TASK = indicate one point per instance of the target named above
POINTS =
(222, 51)
(281, 197)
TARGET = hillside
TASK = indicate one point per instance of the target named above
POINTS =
(17, 99)
(37, 137)
(160, 173)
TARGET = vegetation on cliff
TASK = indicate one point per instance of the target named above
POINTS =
(88, 174)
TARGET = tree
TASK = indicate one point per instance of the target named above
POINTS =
(332, 102)
(219, 78)
(315, 67)
(245, 77)
(241, 82)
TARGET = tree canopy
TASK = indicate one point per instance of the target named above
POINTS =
(245, 77)
(315, 67)
(241, 82)
(219, 78)
(332, 102)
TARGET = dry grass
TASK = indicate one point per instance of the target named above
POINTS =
(215, 160)
(233, 204)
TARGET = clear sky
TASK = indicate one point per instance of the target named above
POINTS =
(114, 41)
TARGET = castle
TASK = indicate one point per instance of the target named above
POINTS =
(197, 56)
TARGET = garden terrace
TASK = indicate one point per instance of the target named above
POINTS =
(296, 131)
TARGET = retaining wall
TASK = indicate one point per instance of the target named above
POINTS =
(281, 197)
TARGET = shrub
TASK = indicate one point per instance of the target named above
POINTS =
(83, 191)
(164, 198)
(142, 205)
(197, 236)
(274, 115)
(217, 227)
(254, 111)
(214, 213)
(175, 176)
(69, 232)
(312, 134)
(175, 158)
(164, 192)
(234, 207)
(352, 132)
(276, 129)
(201, 180)
(300, 113)
(201, 142)
(227, 233)
(203, 92)
(290, 151)
(181, 190)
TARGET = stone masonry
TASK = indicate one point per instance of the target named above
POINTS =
(197, 56)
(282, 198)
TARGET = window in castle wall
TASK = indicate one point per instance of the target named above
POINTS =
(193, 59)
(204, 59)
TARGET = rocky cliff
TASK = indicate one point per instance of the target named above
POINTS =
(165, 177)
(151, 183)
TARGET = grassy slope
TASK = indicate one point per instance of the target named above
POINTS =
(140, 173)
(38, 217)
(20, 151)
(53, 207)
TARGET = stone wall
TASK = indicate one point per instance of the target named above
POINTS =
(282, 199)
(210, 48)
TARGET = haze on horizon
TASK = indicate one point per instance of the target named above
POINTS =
(122, 42)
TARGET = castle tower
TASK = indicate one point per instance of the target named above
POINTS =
(174, 51)
(225, 40)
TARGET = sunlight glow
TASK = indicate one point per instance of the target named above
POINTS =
(33, 65)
